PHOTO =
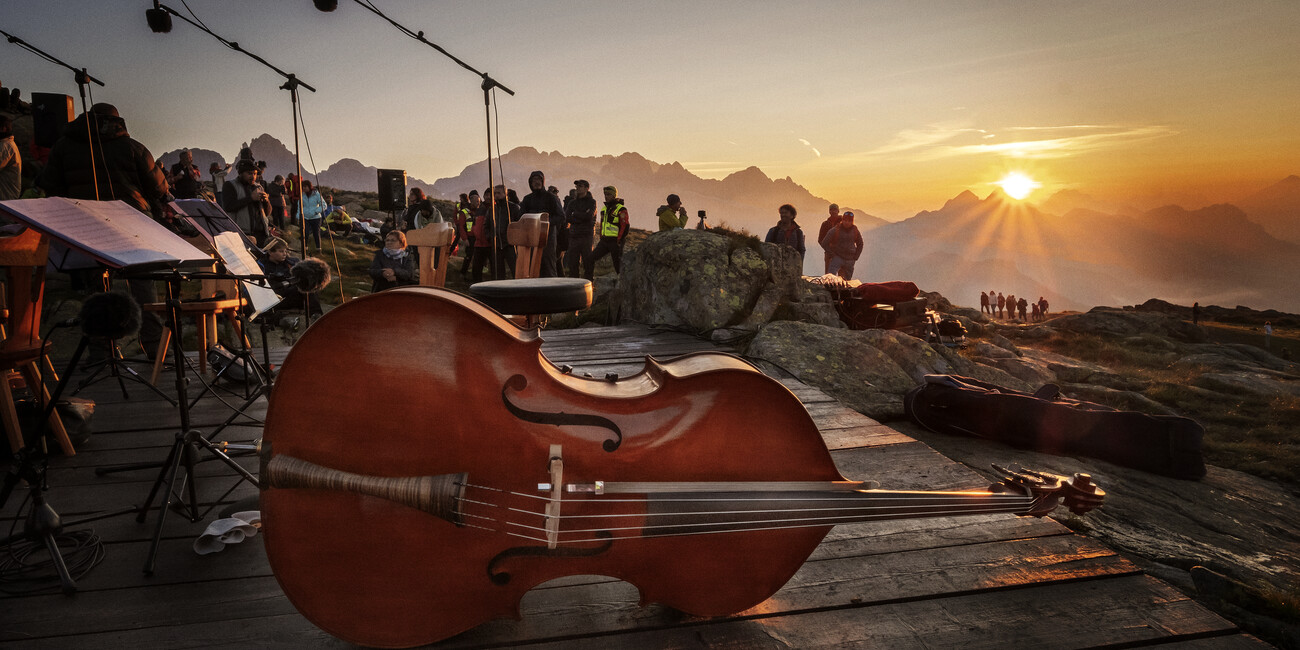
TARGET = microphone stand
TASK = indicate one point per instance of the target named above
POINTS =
(488, 85)
(83, 80)
(291, 84)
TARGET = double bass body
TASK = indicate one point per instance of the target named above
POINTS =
(425, 382)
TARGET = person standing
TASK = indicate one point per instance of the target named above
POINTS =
(500, 214)
(1268, 335)
(580, 217)
(984, 302)
(1042, 308)
(1024, 306)
(313, 206)
(185, 177)
(218, 174)
(246, 203)
(275, 194)
(844, 244)
(1196, 313)
(672, 216)
(613, 231)
(11, 162)
(1002, 301)
(540, 199)
(121, 169)
(465, 222)
(786, 231)
(1011, 307)
(830, 222)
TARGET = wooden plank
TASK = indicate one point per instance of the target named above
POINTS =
(1081, 615)
(906, 466)
(871, 435)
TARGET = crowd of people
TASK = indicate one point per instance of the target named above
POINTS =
(1010, 307)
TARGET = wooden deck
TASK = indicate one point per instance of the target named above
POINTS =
(985, 581)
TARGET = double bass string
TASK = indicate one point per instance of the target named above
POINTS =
(980, 504)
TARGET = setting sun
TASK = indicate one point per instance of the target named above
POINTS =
(1017, 185)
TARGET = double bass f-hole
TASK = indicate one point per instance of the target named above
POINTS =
(518, 383)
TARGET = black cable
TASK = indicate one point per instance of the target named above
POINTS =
(307, 141)
(27, 568)
(196, 16)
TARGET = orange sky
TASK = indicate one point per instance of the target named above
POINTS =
(891, 107)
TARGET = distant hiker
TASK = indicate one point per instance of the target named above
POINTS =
(580, 215)
(673, 215)
(830, 222)
(539, 199)
(1268, 335)
(1001, 303)
(613, 231)
(11, 162)
(1196, 313)
(984, 302)
(844, 244)
(1042, 308)
(1034, 314)
(786, 231)
(1023, 305)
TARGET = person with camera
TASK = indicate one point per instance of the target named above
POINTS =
(246, 202)
(673, 215)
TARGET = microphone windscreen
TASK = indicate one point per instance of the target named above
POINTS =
(310, 275)
(110, 315)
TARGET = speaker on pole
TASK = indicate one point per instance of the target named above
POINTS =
(51, 113)
(392, 190)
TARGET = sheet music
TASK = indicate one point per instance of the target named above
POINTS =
(112, 232)
(231, 248)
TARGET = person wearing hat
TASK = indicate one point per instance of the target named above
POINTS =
(673, 215)
(580, 217)
(246, 202)
(541, 200)
(11, 162)
(830, 222)
(844, 244)
(613, 231)
(277, 264)
(120, 168)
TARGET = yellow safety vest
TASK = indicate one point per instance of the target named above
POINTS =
(609, 225)
(469, 220)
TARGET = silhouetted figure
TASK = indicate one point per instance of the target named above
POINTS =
(984, 302)
(1196, 313)
(830, 222)
(1002, 301)
(1042, 308)
(1268, 335)
(1023, 305)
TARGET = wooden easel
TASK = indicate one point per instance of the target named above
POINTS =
(435, 236)
(24, 256)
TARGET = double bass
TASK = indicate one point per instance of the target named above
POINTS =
(419, 476)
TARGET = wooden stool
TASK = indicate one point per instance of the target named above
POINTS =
(426, 240)
(533, 297)
(528, 236)
(24, 257)
(205, 312)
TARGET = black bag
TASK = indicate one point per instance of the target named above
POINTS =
(1045, 421)
(950, 326)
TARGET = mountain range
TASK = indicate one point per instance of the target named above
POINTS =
(1071, 248)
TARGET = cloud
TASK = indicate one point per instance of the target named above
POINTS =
(946, 141)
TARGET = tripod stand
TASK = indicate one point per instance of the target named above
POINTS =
(184, 449)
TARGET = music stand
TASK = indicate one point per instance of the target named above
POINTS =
(119, 237)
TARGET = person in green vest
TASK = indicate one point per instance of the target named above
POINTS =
(612, 229)
(673, 215)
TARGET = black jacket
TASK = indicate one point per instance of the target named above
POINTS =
(123, 168)
(581, 215)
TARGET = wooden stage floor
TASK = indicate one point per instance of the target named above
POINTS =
(974, 582)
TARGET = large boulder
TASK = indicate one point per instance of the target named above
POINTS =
(691, 278)
(842, 362)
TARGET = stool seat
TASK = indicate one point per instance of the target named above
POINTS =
(532, 296)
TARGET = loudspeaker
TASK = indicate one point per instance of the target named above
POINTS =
(51, 113)
(392, 190)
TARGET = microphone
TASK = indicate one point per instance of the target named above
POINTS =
(160, 22)
(310, 275)
(326, 5)
(109, 315)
